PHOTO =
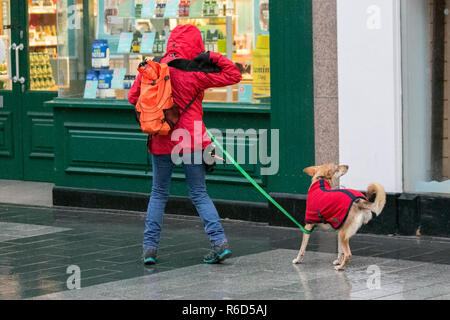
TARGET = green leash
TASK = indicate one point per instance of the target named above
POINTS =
(257, 186)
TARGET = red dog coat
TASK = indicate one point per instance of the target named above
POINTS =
(325, 205)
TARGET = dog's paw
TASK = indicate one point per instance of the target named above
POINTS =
(339, 268)
(336, 262)
(296, 261)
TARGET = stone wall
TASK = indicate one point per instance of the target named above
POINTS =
(326, 81)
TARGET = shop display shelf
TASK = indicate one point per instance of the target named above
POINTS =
(42, 10)
(178, 18)
(135, 55)
(34, 44)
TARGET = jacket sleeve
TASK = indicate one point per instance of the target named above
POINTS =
(229, 74)
(135, 91)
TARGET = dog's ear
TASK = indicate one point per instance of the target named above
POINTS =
(342, 169)
(311, 171)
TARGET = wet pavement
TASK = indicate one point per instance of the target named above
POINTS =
(39, 244)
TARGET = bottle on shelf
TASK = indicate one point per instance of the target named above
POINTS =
(214, 40)
(211, 9)
(221, 8)
(47, 31)
(181, 8)
(163, 7)
(161, 42)
(158, 9)
(136, 43)
(32, 33)
(264, 15)
(138, 9)
(3, 69)
(214, 9)
(41, 73)
(229, 8)
(128, 81)
(206, 5)
(111, 10)
(155, 43)
(208, 41)
(187, 8)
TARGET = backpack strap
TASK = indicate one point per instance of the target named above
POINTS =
(199, 64)
(190, 103)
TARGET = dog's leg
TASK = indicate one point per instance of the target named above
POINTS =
(346, 248)
(340, 256)
(305, 240)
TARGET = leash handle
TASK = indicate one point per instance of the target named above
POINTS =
(256, 185)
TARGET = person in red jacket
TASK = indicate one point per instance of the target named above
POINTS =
(185, 42)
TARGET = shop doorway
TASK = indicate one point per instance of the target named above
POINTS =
(28, 64)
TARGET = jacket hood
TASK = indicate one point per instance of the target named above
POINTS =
(185, 42)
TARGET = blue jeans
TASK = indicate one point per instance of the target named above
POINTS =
(195, 178)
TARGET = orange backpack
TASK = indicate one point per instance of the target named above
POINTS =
(155, 108)
(156, 111)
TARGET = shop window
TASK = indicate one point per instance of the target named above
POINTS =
(5, 43)
(426, 38)
(43, 55)
(125, 32)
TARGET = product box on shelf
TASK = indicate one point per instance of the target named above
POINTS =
(100, 54)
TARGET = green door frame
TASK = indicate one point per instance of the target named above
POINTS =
(11, 149)
(37, 120)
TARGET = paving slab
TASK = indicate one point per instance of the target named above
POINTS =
(26, 193)
(12, 231)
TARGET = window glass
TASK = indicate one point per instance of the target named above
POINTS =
(426, 98)
(125, 32)
(5, 43)
(42, 44)
(73, 59)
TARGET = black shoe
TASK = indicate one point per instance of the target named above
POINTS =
(218, 254)
(150, 256)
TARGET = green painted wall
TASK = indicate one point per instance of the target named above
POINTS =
(292, 81)
(99, 146)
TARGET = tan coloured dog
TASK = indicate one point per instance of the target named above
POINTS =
(359, 213)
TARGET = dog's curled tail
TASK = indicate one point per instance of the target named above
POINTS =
(376, 199)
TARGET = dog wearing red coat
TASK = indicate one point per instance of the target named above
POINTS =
(344, 210)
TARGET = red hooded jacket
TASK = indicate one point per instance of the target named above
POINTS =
(185, 42)
(325, 205)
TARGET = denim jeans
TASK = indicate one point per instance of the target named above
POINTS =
(195, 179)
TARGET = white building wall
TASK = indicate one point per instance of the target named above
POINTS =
(369, 75)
